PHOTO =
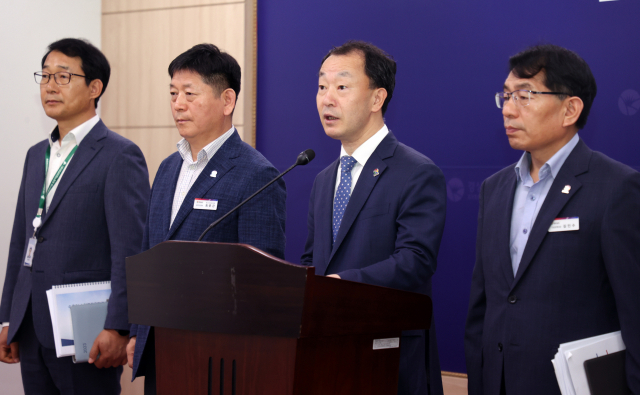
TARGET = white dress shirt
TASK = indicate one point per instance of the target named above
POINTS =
(361, 155)
(61, 149)
(190, 170)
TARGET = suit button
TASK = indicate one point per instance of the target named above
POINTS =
(513, 299)
(40, 239)
(500, 347)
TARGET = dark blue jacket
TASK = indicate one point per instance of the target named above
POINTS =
(94, 221)
(569, 285)
(389, 236)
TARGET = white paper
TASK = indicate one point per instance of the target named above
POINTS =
(60, 298)
(568, 363)
(576, 356)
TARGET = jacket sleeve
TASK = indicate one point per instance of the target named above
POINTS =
(475, 315)
(620, 238)
(126, 199)
(420, 223)
(16, 249)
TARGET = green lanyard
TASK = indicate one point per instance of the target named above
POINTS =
(37, 221)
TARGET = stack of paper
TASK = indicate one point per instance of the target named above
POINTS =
(568, 363)
(60, 298)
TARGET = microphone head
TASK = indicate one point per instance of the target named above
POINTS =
(305, 157)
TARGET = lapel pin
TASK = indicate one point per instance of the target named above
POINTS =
(566, 189)
(376, 172)
(214, 173)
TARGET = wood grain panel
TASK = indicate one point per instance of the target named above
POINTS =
(156, 144)
(141, 45)
(454, 385)
(121, 6)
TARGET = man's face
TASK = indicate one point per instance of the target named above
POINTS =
(197, 109)
(538, 126)
(344, 97)
(65, 102)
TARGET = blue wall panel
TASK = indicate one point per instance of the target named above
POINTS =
(452, 57)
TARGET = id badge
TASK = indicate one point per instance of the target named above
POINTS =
(205, 204)
(31, 249)
(565, 224)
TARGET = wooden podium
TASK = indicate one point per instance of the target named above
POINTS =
(233, 320)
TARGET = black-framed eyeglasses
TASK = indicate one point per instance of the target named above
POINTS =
(521, 97)
(61, 77)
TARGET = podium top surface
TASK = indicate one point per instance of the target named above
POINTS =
(237, 288)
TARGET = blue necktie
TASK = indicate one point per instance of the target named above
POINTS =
(343, 193)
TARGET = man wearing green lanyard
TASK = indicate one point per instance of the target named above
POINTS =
(81, 209)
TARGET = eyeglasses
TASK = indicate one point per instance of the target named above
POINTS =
(521, 97)
(61, 77)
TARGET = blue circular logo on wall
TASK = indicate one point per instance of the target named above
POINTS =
(629, 102)
(455, 189)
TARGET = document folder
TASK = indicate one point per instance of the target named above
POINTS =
(606, 374)
(87, 321)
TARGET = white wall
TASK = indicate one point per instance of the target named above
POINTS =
(26, 28)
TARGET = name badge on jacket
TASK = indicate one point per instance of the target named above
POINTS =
(565, 224)
(205, 204)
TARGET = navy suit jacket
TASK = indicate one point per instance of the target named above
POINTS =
(389, 236)
(94, 221)
(569, 285)
(241, 170)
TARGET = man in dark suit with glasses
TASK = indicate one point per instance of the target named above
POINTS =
(558, 244)
(78, 228)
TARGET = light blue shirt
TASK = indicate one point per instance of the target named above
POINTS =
(530, 196)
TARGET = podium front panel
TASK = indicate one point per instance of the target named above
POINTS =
(215, 287)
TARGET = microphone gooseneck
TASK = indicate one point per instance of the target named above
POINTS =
(303, 158)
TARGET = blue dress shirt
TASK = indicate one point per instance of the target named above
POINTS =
(530, 196)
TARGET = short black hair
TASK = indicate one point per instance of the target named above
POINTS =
(564, 71)
(95, 65)
(379, 66)
(217, 69)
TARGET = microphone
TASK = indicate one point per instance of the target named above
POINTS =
(303, 158)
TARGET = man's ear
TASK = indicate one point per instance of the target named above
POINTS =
(229, 98)
(573, 108)
(379, 96)
(95, 89)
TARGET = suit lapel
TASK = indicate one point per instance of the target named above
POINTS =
(576, 164)
(364, 186)
(325, 222)
(167, 193)
(504, 232)
(87, 150)
(222, 163)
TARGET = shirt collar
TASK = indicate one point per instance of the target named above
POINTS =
(554, 164)
(78, 133)
(207, 152)
(365, 150)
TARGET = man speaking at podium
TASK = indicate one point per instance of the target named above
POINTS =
(558, 244)
(376, 215)
(212, 172)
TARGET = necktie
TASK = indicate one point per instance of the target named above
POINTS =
(343, 193)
